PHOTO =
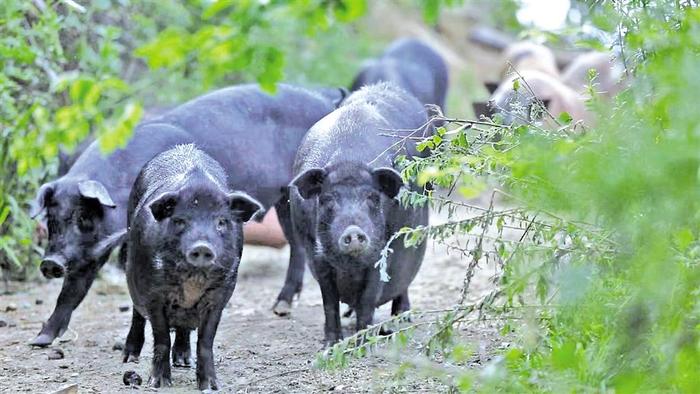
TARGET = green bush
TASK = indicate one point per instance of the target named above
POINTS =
(599, 290)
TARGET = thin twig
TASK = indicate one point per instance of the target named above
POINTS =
(476, 254)
(401, 141)
(529, 88)
(622, 44)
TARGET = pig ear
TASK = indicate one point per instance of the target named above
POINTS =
(163, 206)
(309, 182)
(96, 190)
(244, 206)
(491, 86)
(43, 196)
(387, 180)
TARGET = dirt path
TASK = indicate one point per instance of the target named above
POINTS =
(255, 350)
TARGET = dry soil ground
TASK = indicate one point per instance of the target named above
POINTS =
(255, 350)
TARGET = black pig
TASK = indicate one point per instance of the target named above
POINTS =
(185, 237)
(411, 65)
(344, 208)
(253, 135)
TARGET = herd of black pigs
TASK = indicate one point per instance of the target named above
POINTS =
(174, 201)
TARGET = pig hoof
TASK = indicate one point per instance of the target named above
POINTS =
(182, 360)
(161, 381)
(130, 358)
(282, 308)
(207, 383)
(42, 340)
(329, 342)
(385, 331)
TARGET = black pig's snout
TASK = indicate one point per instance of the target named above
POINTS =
(52, 267)
(201, 254)
(353, 241)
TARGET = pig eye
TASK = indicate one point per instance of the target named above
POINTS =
(221, 224)
(179, 223)
(325, 199)
(85, 224)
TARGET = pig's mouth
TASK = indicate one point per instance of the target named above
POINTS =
(348, 261)
(57, 266)
(358, 255)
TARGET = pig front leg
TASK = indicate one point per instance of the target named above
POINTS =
(367, 301)
(135, 338)
(75, 287)
(181, 348)
(331, 305)
(206, 374)
(160, 371)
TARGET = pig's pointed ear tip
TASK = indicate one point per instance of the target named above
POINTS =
(96, 190)
(246, 207)
(260, 211)
(259, 215)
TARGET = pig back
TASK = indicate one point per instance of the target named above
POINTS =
(411, 65)
(368, 127)
(168, 172)
(428, 59)
(252, 134)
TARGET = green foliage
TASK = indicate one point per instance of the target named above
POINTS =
(431, 8)
(243, 39)
(636, 175)
(60, 83)
(597, 277)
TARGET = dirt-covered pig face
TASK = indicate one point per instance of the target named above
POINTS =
(75, 216)
(201, 226)
(351, 220)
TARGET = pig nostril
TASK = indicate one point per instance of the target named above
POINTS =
(361, 238)
(51, 269)
(347, 239)
(201, 254)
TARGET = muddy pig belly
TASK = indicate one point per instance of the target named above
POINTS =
(185, 300)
